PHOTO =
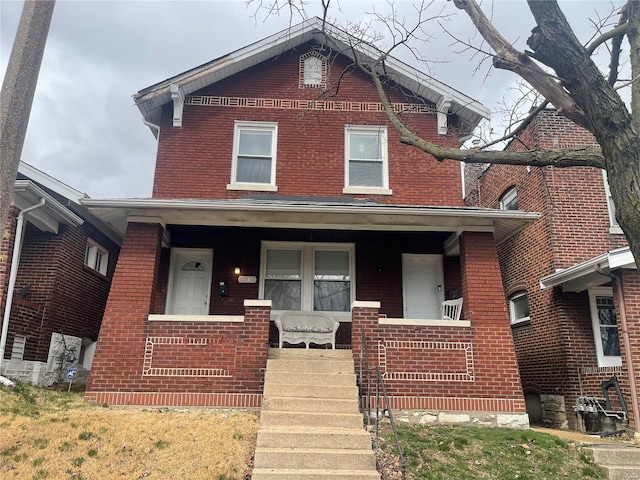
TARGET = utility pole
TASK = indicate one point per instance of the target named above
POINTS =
(18, 88)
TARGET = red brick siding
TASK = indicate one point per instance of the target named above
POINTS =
(194, 161)
(557, 347)
(64, 296)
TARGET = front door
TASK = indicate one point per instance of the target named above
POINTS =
(190, 282)
(422, 285)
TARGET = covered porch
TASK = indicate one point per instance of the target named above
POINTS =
(213, 276)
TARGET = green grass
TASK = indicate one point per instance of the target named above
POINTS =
(461, 452)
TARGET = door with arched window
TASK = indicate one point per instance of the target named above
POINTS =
(190, 282)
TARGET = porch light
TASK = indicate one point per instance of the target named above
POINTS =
(236, 270)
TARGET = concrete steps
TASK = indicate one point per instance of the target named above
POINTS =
(619, 462)
(310, 425)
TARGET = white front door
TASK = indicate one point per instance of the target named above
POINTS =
(422, 285)
(190, 282)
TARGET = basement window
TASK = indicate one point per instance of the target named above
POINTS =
(17, 351)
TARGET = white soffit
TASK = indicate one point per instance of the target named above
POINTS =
(301, 215)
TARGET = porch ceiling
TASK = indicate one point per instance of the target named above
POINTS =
(309, 215)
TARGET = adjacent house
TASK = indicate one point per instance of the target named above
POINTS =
(571, 285)
(56, 265)
(281, 186)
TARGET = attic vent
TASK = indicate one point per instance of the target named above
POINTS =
(313, 70)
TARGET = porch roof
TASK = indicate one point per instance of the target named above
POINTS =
(310, 213)
(590, 273)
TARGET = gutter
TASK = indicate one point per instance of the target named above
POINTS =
(15, 260)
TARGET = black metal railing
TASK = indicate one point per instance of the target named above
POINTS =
(366, 398)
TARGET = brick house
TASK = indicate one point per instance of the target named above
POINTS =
(570, 280)
(56, 260)
(280, 185)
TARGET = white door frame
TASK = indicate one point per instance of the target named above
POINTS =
(176, 253)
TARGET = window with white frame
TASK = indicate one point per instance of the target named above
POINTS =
(605, 327)
(307, 276)
(612, 208)
(519, 308)
(509, 199)
(366, 162)
(254, 156)
(96, 257)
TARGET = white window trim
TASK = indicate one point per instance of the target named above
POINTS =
(512, 313)
(613, 223)
(371, 129)
(264, 126)
(90, 257)
(307, 269)
(603, 361)
(507, 197)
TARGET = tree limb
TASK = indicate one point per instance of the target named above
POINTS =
(508, 58)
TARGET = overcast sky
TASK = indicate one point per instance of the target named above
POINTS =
(84, 129)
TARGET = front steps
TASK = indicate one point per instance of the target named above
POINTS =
(619, 462)
(310, 425)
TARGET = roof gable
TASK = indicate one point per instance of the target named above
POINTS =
(448, 100)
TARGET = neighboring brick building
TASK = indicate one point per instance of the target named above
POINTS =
(569, 279)
(58, 266)
(280, 184)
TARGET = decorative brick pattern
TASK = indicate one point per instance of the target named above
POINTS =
(176, 399)
(294, 104)
(149, 369)
(455, 357)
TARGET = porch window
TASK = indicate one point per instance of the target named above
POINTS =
(519, 308)
(254, 156)
(283, 279)
(605, 328)
(96, 257)
(308, 276)
(366, 163)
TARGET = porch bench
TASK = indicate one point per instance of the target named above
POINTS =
(307, 327)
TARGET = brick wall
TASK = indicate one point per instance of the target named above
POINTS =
(194, 161)
(556, 350)
(142, 362)
(450, 368)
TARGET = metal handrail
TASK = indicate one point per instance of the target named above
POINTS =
(387, 405)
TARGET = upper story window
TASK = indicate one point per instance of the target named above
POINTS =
(254, 156)
(509, 199)
(519, 308)
(366, 162)
(605, 327)
(313, 70)
(96, 257)
(612, 208)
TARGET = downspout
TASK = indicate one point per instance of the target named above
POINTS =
(15, 260)
(627, 353)
(152, 125)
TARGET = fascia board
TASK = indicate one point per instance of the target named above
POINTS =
(29, 190)
(51, 183)
(151, 99)
(574, 272)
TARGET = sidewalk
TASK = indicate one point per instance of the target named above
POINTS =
(582, 438)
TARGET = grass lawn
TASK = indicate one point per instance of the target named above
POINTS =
(459, 452)
(55, 435)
